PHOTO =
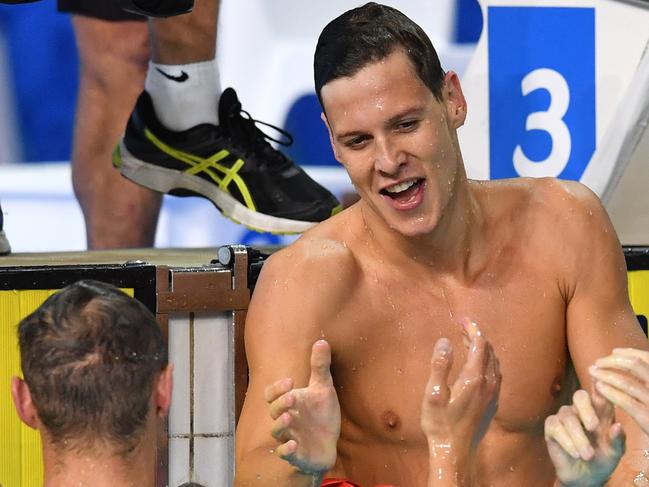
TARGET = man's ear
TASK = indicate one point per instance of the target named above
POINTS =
(23, 402)
(454, 99)
(162, 390)
(331, 137)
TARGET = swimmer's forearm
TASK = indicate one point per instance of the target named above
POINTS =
(260, 468)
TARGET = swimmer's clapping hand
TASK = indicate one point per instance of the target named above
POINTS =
(456, 416)
(307, 420)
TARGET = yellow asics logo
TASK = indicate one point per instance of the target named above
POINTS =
(209, 166)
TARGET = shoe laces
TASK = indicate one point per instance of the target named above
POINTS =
(249, 138)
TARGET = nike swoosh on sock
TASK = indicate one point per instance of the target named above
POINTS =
(180, 79)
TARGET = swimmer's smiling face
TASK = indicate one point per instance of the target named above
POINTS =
(397, 141)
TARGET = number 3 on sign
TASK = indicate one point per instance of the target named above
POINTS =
(550, 121)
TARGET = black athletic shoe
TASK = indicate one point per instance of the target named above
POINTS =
(231, 164)
(157, 8)
(5, 248)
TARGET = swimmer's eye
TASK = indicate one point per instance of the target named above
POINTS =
(357, 142)
(407, 125)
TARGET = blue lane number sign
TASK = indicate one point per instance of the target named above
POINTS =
(541, 91)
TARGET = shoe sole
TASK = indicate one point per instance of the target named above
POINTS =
(166, 180)
(5, 248)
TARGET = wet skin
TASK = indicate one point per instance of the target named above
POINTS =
(534, 262)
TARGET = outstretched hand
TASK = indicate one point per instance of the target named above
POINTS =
(459, 414)
(307, 420)
(584, 441)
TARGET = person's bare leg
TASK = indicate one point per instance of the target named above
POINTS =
(113, 57)
(186, 38)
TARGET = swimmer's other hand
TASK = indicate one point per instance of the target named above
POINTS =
(584, 442)
(623, 379)
(307, 420)
(459, 414)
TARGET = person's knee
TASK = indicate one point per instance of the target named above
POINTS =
(112, 55)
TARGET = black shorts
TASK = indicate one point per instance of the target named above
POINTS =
(98, 9)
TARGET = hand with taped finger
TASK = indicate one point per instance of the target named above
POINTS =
(456, 416)
(623, 379)
(307, 420)
(584, 441)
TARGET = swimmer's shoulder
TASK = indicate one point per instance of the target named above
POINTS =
(544, 197)
(563, 220)
(321, 265)
(570, 202)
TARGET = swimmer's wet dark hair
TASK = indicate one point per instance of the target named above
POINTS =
(368, 34)
(90, 354)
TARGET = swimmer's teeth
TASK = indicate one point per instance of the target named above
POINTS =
(398, 188)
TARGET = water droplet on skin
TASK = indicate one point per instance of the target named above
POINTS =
(641, 480)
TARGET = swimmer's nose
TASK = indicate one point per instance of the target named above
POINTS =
(388, 159)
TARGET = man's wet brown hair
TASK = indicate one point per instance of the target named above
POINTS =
(90, 354)
(368, 34)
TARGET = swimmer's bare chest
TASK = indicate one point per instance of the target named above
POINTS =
(381, 371)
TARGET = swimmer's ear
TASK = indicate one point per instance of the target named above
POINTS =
(23, 401)
(163, 387)
(323, 117)
(454, 100)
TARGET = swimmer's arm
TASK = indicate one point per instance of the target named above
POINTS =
(282, 324)
(599, 315)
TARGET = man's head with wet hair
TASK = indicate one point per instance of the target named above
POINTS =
(368, 34)
(91, 356)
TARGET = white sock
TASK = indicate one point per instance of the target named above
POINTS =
(191, 100)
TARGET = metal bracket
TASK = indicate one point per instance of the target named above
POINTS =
(242, 257)
(215, 287)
